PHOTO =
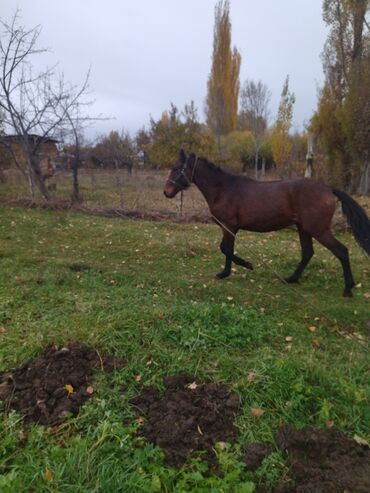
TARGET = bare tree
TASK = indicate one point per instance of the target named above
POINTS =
(76, 137)
(254, 102)
(36, 106)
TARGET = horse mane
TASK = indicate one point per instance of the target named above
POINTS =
(213, 167)
(221, 172)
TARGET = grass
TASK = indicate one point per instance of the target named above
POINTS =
(146, 292)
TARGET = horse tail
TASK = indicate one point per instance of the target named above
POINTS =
(356, 218)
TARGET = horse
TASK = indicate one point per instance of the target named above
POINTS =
(237, 202)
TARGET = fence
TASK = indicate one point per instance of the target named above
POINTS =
(138, 192)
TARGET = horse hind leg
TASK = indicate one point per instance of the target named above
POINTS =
(341, 252)
(227, 248)
(227, 269)
(306, 252)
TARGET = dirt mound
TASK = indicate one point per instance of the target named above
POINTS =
(255, 453)
(49, 388)
(324, 461)
(188, 417)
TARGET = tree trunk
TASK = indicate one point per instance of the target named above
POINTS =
(360, 7)
(256, 165)
(38, 179)
(31, 185)
(364, 184)
(119, 183)
(263, 171)
(75, 181)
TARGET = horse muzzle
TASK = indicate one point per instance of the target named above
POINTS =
(169, 191)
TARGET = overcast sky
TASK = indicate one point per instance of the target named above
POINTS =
(145, 54)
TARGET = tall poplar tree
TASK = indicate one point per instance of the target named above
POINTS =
(223, 82)
(280, 143)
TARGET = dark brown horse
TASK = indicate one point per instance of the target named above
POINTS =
(237, 202)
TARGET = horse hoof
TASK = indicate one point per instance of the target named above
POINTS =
(222, 275)
(248, 265)
(347, 294)
(291, 280)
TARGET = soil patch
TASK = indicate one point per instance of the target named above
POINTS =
(324, 461)
(187, 418)
(255, 453)
(49, 388)
(79, 268)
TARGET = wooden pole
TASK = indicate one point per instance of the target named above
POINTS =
(309, 157)
(179, 204)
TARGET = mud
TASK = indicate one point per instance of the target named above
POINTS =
(323, 461)
(54, 385)
(189, 417)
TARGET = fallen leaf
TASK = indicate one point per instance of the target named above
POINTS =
(137, 378)
(251, 376)
(329, 423)
(220, 446)
(69, 388)
(23, 434)
(359, 336)
(2, 330)
(140, 420)
(361, 441)
(312, 328)
(200, 431)
(192, 386)
(288, 338)
(49, 475)
(316, 343)
(367, 295)
(257, 411)
(89, 389)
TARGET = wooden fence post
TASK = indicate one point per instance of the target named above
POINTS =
(179, 204)
(309, 157)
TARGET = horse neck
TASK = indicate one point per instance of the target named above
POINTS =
(209, 180)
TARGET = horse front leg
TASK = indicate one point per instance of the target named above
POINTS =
(227, 248)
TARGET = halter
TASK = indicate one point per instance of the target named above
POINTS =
(182, 173)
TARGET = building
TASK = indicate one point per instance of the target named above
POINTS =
(11, 150)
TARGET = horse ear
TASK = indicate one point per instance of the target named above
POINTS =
(182, 156)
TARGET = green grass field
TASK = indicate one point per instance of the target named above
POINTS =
(146, 292)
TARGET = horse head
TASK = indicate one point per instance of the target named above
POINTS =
(181, 174)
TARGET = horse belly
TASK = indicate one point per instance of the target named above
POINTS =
(267, 226)
(268, 219)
